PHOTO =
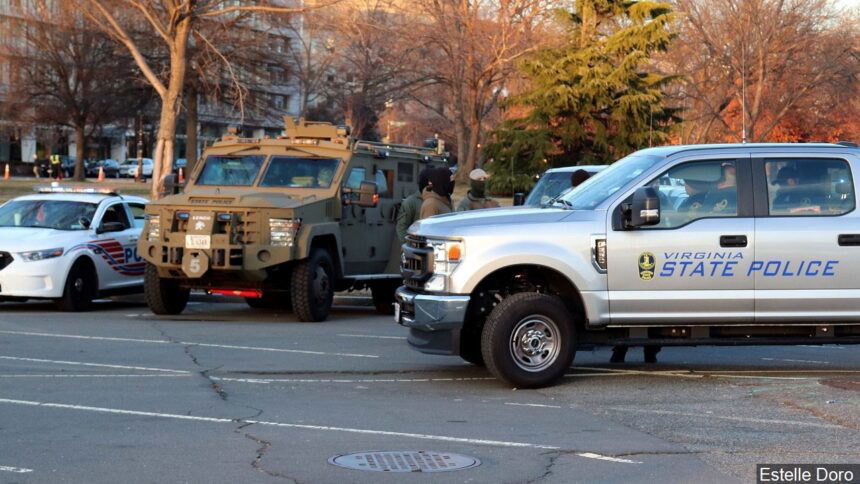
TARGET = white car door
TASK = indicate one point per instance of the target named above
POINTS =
(119, 264)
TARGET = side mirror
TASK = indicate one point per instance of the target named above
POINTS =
(643, 210)
(519, 198)
(365, 196)
(110, 227)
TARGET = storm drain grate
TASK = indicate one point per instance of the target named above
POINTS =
(405, 461)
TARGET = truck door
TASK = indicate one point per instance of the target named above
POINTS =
(807, 238)
(691, 267)
(355, 237)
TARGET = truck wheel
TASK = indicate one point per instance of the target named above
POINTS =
(383, 295)
(529, 340)
(311, 287)
(80, 289)
(163, 296)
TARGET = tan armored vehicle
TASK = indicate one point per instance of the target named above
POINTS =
(284, 222)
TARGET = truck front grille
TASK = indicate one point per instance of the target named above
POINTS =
(416, 266)
(5, 260)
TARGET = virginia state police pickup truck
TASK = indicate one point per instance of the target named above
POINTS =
(679, 245)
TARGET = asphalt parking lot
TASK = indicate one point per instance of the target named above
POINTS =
(224, 393)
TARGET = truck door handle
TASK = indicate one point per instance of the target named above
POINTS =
(849, 239)
(733, 241)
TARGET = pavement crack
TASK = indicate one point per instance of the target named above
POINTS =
(552, 457)
(214, 385)
(257, 463)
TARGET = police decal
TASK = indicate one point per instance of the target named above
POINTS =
(647, 262)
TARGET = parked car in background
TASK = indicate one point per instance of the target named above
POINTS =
(129, 168)
(180, 163)
(554, 182)
(91, 167)
(111, 168)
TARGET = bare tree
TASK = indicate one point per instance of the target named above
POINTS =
(175, 23)
(68, 75)
(750, 64)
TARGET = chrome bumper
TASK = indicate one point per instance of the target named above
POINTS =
(434, 321)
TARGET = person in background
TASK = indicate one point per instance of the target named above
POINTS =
(579, 176)
(410, 208)
(437, 195)
(476, 198)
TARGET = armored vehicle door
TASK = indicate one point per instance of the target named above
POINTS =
(692, 266)
(807, 237)
(356, 239)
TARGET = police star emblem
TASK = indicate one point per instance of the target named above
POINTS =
(647, 262)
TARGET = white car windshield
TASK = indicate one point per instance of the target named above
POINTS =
(48, 214)
(603, 185)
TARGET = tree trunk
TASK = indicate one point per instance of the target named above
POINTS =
(162, 160)
(190, 129)
(80, 139)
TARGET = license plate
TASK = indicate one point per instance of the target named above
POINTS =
(197, 241)
(397, 313)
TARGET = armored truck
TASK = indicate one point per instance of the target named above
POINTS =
(284, 221)
(746, 244)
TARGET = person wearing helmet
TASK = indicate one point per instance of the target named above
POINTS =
(410, 208)
(437, 195)
(476, 198)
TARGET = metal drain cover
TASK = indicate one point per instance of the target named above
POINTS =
(405, 461)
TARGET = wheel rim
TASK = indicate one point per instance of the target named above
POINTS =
(535, 343)
(321, 285)
(79, 285)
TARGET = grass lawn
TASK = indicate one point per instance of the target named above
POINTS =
(15, 187)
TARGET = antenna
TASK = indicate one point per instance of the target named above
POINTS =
(744, 93)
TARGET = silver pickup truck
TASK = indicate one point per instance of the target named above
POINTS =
(680, 245)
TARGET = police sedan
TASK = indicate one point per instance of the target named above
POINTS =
(70, 245)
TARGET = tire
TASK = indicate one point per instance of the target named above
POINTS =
(312, 287)
(383, 295)
(163, 296)
(270, 300)
(80, 288)
(546, 333)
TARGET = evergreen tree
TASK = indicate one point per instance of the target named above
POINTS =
(592, 99)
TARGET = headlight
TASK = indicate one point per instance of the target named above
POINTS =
(282, 231)
(154, 227)
(447, 255)
(36, 255)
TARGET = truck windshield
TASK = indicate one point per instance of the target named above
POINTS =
(601, 186)
(47, 214)
(235, 171)
(295, 172)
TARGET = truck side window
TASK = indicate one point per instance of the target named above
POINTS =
(356, 176)
(809, 187)
(385, 183)
(696, 190)
(116, 213)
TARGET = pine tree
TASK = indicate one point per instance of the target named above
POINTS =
(591, 100)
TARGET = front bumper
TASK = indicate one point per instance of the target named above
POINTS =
(39, 279)
(434, 320)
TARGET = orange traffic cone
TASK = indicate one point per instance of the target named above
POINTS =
(101, 174)
(181, 176)
(7, 174)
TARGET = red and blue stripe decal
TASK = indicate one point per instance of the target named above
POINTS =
(121, 259)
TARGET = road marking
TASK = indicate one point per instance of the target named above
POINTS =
(17, 470)
(591, 455)
(266, 381)
(188, 343)
(797, 361)
(371, 336)
(79, 363)
(532, 405)
(327, 428)
(727, 417)
(67, 375)
(823, 347)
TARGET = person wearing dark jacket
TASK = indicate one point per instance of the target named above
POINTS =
(437, 195)
(410, 209)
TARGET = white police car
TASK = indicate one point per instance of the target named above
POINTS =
(71, 245)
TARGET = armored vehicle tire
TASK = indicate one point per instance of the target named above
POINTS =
(271, 301)
(529, 340)
(80, 289)
(163, 296)
(312, 287)
(383, 295)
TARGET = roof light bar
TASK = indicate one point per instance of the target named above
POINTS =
(67, 189)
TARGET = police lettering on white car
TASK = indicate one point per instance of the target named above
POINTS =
(71, 245)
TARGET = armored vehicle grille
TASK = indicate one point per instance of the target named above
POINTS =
(5, 260)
